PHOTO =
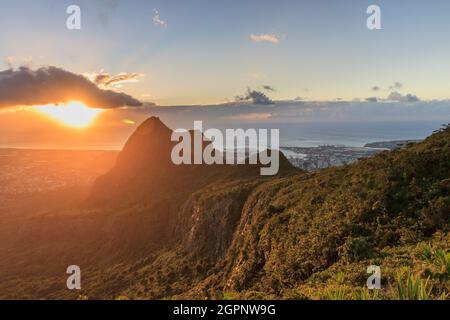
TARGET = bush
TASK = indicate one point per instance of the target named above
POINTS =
(355, 249)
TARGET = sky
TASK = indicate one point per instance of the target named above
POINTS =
(204, 52)
(207, 53)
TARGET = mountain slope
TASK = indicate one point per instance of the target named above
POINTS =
(144, 169)
(145, 178)
(294, 229)
(153, 230)
(341, 215)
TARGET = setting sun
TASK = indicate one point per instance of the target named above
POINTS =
(74, 114)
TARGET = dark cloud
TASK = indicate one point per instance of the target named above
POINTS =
(396, 86)
(293, 111)
(396, 96)
(256, 97)
(269, 88)
(375, 88)
(372, 99)
(52, 85)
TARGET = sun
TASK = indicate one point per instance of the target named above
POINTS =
(73, 114)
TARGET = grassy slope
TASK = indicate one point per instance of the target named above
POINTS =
(302, 236)
(312, 236)
(296, 228)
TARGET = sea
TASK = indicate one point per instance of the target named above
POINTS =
(351, 134)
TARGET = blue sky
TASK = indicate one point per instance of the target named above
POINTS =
(205, 54)
(198, 55)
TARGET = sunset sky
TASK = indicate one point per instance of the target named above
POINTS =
(181, 53)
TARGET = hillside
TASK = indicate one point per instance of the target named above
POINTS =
(150, 230)
(313, 235)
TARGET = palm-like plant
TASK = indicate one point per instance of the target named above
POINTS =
(413, 289)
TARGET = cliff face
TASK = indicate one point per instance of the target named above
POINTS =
(210, 217)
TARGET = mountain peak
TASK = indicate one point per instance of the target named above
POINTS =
(151, 126)
(145, 166)
(150, 142)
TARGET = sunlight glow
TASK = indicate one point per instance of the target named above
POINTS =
(73, 114)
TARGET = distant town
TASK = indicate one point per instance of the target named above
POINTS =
(315, 158)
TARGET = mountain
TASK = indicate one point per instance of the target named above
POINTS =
(153, 230)
(146, 179)
(144, 169)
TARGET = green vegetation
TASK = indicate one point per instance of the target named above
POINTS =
(413, 288)
(237, 236)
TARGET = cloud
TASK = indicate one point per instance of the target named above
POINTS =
(250, 116)
(52, 85)
(9, 61)
(157, 21)
(372, 99)
(272, 38)
(396, 86)
(375, 88)
(259, 76)
(269, 88)
(105, 80)
(396, 96)
(300, 112)
(256, 97)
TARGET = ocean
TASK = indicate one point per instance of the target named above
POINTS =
(352, 134)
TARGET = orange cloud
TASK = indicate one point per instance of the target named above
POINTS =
(52, 85)
(251, 116)
(106, 80)
(265, 38)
